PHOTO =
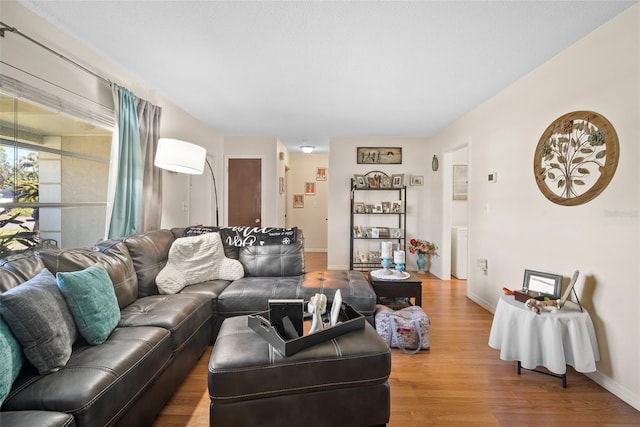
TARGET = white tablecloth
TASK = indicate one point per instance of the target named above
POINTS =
(550, 339)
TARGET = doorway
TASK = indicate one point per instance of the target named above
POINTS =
(244, 189)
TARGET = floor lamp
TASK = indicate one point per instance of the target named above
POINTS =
(184, 157)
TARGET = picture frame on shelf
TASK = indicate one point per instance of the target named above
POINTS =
(377, 208)
(396, 233)
(298, 200)
(396, 206)
(417, 180)
(360, 181)
(358, 207)
(385, 182)
(386, 207)
(321, 174)
(379, 155)
(375, 233)
(397, 180)
(373, 182)
(357, 231)
(368, 208)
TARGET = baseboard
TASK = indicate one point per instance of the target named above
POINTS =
(338, 267)
(615, 388)
(491, 308)
(315, 249)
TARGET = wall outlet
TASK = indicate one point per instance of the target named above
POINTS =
(482, 264)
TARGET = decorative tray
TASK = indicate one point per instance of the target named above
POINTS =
(384, 274)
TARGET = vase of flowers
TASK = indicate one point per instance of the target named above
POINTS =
(425, 250)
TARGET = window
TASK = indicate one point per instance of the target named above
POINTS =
(53, 177)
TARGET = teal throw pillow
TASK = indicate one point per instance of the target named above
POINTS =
(12, 359)
(92, 302)
(40, 320)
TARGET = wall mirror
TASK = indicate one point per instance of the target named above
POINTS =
(548, 284)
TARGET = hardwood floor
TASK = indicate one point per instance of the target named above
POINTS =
(460, 381)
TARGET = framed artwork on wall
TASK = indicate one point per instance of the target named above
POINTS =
(321, 174)
(417, 180)
(310, 188)
(379, 155)
(298, 200)
(397, 180)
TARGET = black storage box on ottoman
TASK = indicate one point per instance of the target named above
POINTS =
(340, 382)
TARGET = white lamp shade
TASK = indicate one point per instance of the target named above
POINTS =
(180, 156)
(307, 149)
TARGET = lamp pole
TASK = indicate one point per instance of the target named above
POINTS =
(215, 190)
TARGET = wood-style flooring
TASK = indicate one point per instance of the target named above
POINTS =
(460, 381)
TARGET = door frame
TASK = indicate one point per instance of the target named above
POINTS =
(225, 213)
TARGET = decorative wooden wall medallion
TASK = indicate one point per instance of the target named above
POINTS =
(576, 158)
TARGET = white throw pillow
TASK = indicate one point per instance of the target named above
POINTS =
(196, 259)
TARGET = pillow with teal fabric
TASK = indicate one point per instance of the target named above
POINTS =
(12, 359)
(92, 301)
(39, 318)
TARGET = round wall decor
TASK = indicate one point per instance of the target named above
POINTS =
(576, 158)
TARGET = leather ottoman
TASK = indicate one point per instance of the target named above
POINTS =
(341, 382)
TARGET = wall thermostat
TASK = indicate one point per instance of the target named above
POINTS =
(492, 177)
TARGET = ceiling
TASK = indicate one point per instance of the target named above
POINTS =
(306, 71)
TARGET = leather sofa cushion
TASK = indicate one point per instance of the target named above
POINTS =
(110, 254)
(181, 314)
(251, 294)
(99, 383)
(36, 418)
(149, 252)
(18, 269)
(274, 260)
(243, 366)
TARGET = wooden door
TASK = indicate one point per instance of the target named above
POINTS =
(245, 192)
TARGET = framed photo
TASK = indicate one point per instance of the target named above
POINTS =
(379, 155)
(298, 200)
(321, 174)
(417, 180)
(368, 208)
(397, 180)
(396, 206)
(386, 207)
(546, 283)
(377, 208)
(360, 181)
(281, 184)
(375, 233)
(460, 182)
(396, 233)
(357, 231)
(373, 183)
(310, 188)
(358, 207)
(385, 182)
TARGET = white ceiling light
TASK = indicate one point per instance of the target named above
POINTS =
(307, 149)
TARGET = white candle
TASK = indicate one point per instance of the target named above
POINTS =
(386, 249)
(398, 257)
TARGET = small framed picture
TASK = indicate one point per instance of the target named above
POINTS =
(358, 207)
(357, 231)
(310, 188)
(360, 182)
(375, 233)
(397, 180)
(321, 174)
(396, 206)
(368, 208)
(377, 208)
(385, 182)
(396, 233)
(417, 180)
(298, 200)
(386, 207)
(373, 183)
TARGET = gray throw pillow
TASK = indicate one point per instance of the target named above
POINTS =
(38, 316)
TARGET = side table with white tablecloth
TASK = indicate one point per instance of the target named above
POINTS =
(552, 339)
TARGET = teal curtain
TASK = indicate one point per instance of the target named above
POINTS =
(126, 213)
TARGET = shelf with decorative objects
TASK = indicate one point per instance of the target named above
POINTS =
(377, 214)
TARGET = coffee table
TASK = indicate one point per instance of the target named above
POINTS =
(410, 287)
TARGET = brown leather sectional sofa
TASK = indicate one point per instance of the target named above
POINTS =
(128, 379)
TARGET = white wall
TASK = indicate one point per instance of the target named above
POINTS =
(416, 160)
(513, 226)
(26, 56)
(312, 218)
